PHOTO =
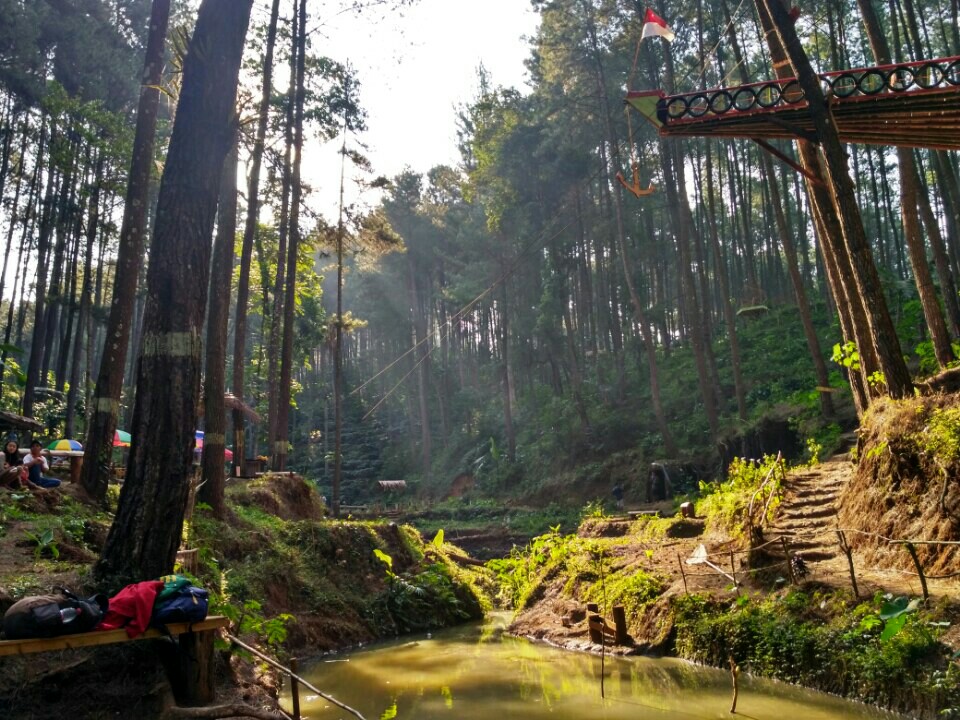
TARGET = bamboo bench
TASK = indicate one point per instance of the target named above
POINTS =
(190, 669)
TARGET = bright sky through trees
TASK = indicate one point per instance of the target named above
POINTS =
(415, 69)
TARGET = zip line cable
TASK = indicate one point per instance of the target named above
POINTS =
(705, 58)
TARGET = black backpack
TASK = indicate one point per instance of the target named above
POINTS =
(44, 616)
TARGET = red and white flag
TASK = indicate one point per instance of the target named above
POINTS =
(653, 24)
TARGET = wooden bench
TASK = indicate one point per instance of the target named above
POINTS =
(640, 513)
(190, 668)
(356, 509)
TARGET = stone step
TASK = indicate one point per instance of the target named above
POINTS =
(810, 556)
(821, 532)
(794, 512)
(813, 493)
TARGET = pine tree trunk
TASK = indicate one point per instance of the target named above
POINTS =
(282, 444)
(948, 287)
(729, 316)
(246, 252)
(639, 316)
(851, 311)
(98, 449)
(40, 286)
(909, 211)
(506, 383)
(793, 266)
(419, 358)
(682, 219)
(86, 292)
(146, 531)
(896, 377)
(12, 217)
(276, 306)
(214, 380)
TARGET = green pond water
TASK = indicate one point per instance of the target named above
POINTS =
(477, 672)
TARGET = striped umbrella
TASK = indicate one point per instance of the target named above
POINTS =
(198, 448)
(121, 438)
(65, 444)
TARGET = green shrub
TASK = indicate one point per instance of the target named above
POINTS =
(783, 637)
(726, 504)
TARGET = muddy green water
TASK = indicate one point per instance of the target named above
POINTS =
(478, 673)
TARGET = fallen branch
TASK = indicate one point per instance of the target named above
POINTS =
(463, 560)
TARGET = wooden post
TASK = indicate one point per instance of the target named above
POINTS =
(295, 689)
(593, 607)
(733, 572)
(786, 552)
(189, 664)
(734, 673)
(683, 574)
(595, 625)
(916, 561)
(848, 551)
(620, 624)
(76, 467)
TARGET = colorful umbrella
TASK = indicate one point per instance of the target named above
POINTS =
(121, 438)
(65, 445)
(227, 452)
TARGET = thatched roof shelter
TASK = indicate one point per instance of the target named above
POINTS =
(392, 485)
(12, 421)
(232, 402)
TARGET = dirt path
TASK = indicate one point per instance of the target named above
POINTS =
(807, 517)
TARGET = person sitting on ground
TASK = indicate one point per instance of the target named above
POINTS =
(36, 465)
(12, 475)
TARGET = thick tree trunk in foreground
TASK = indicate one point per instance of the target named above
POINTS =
(886, 345)
(146, 532)
(98, 449)
(850, 309)
(910, 191)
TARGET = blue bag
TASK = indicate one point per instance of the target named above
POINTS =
(186, 604)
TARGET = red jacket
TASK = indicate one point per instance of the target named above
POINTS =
(131, 608)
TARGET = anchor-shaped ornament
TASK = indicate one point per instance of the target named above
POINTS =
(634, 187)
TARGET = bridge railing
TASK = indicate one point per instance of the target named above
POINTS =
(915, 77)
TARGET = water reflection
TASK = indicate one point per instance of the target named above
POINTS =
(477, 673)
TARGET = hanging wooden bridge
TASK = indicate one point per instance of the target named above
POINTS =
(914, 104)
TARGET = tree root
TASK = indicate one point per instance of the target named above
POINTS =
(234, 710)
(229, 710)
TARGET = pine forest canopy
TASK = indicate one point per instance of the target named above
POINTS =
(511, 317)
